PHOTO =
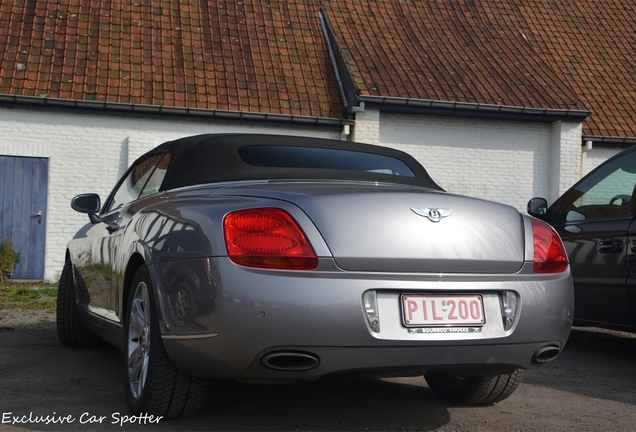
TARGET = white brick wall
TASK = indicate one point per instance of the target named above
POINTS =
(367, 127)
(89, 153)
(596, 156)
(566, 154)
(504, 161)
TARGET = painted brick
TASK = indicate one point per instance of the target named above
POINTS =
(367, 128)
(503, 161)
(89, 153)
(566, 158)
(596, 156)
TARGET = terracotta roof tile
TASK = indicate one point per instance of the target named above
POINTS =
(270, 56)
(593, 45)
(570, 54)
(194, 54)
(444, 50)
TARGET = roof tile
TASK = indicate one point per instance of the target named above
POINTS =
(264, 56)
(189, 43)
(568, 54)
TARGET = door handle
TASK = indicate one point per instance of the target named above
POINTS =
(112, 222)
(112, 227)
(610, 246)
(38, 215)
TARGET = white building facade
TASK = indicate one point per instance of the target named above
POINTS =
(89, 153)
(499, 160)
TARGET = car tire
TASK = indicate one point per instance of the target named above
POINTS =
(473, 390)
(71, 330)
(153, 384)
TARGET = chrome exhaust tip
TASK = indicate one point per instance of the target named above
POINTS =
(546, 354)
(290, 361)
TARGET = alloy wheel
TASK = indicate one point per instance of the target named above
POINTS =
(139, 340)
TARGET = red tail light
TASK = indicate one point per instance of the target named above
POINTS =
(549, 253)
(267, 238)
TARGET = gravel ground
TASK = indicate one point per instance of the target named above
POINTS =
(589, 387)
(24, 317)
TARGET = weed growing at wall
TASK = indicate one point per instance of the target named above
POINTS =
(8, 259)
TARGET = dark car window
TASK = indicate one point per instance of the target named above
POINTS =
(606, 192)
(324, 158)
(141, 177)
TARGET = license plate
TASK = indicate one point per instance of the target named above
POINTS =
(442, 310)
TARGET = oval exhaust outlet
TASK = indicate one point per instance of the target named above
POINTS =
(290, 361)
(546, 354)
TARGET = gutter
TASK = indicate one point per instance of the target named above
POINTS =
(608, 141)
(167, 112)
(472, 110)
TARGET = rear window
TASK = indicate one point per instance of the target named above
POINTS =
(322, 158)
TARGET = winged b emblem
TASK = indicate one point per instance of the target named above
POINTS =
(433, 214)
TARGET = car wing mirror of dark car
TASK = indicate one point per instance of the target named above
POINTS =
(89, 203)
(538, 207)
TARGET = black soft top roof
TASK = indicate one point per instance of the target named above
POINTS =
(212, 158)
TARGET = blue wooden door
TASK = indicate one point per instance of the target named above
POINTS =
(23, 197)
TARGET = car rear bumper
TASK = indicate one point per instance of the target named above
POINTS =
(246, 315)
(361, 361)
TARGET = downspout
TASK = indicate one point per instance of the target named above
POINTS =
(587, 146)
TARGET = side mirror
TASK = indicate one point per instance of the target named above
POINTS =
(87, 203)
(538, 207)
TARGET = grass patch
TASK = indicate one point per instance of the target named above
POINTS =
(37, 295)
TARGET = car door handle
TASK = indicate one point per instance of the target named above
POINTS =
(111, 227)
(633, 246)
(610, 246)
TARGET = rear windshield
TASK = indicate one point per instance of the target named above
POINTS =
(281, 156)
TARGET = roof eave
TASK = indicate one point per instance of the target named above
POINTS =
(472, 110)
(167, 112)
(609, 141)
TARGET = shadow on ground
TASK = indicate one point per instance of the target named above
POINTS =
(596, 363)
(41, 377)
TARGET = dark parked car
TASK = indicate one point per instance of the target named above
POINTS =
(595, 219)
(266, 259)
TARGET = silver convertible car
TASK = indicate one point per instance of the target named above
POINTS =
(268, 259)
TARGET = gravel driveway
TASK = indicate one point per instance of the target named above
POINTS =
(590, 387)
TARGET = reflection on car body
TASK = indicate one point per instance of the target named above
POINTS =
(267, 258)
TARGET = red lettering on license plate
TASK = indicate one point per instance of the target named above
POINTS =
(453, 310)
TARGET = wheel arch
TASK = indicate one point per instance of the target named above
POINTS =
(134, 263)
(72, 331)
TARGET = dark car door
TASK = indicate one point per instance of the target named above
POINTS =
(631, 265)
(596, 222)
